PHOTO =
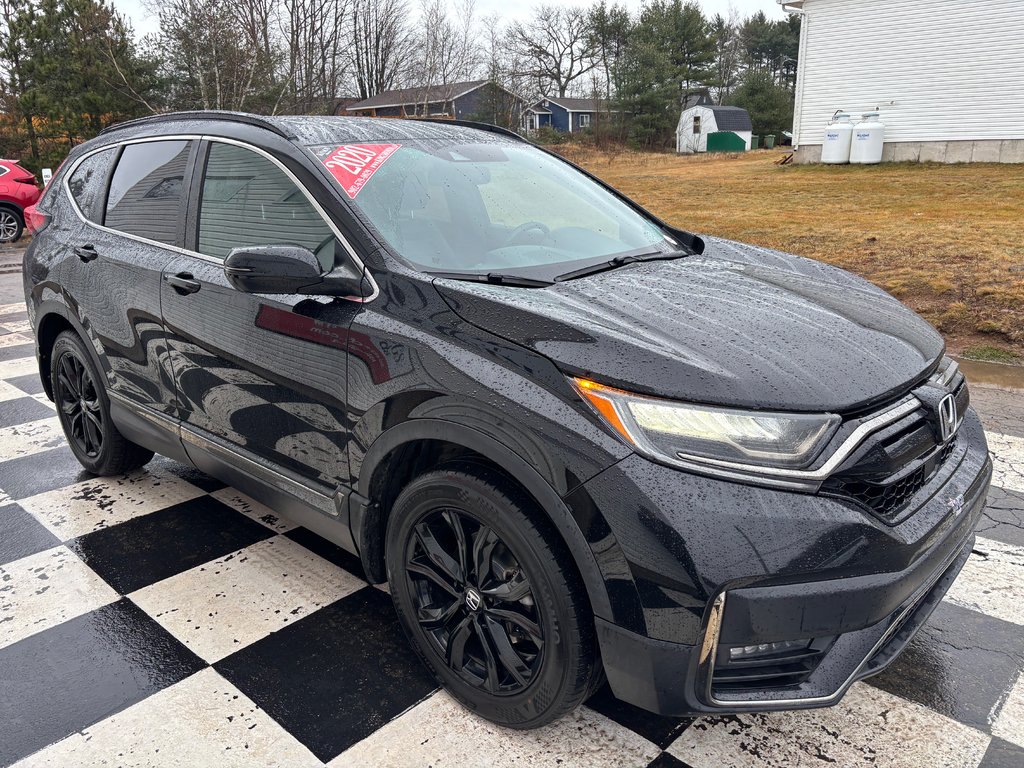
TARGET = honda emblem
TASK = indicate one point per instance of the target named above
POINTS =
(948, 417)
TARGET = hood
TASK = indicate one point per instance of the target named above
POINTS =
(736, 326)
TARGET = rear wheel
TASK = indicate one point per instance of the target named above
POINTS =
(84, 412)
(11, 225)
(489, 599)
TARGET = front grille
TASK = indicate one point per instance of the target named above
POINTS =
(888, 499)
(895, 463)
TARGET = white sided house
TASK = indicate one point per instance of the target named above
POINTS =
(700, 117)
(947, 76)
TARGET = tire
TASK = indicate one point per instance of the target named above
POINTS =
(526, 654)
(12, 225)
(84, 411)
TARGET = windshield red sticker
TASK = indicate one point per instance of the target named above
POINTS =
(353, 164)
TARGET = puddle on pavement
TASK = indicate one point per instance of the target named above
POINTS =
(993, 374)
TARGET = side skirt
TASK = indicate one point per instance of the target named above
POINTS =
(324, 513)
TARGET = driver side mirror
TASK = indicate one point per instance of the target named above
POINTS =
(287, 269)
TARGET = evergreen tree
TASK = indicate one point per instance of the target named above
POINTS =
(670, 55)
(77, 69)
(770, 105)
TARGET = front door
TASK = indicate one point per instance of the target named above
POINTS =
(262, 374)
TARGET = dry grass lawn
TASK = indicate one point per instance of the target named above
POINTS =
(947, 240)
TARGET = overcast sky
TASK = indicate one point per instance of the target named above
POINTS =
(144, 22)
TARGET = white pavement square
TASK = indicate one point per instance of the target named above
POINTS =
(201, 721)
(869, 727)
(102, 502)
(220, 607)
(439, 731)
(46, 589)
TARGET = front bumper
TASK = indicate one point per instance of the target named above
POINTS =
(855, 588)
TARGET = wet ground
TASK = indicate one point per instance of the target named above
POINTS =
(163, 618)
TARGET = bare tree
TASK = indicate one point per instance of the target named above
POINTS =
(208, 60)
(725, 31)
(558, 45)
(446, 51)
(381, 44)
(317, 53)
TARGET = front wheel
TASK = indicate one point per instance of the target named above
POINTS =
(490, 599)
(84, 411)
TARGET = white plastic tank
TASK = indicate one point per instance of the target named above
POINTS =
(868, 140)
(838, 137)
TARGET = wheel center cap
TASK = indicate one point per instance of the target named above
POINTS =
(474, 600)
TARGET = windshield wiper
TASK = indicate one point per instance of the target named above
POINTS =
(620, 261)
(495, 278)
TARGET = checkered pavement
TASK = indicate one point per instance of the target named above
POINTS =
(162, 618)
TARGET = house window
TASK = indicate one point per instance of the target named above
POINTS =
(696, 125)
(584, 121)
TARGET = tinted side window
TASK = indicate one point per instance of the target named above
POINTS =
(145, 191)
(88, 183)
(248, 200)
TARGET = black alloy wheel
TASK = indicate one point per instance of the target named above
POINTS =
(489, 596)
(473, 600)
(79, 402)
(83, 408)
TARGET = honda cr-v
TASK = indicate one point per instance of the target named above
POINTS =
(578, 442)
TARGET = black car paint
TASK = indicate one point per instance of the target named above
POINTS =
(328, 393)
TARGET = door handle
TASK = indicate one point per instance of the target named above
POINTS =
(87, 252)
(183, 282)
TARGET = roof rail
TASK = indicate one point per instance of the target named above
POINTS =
(490, 128)
(213, 114)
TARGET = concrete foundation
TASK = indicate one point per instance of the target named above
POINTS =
(987, 151)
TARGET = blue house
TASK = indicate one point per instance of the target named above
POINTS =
(564, 114)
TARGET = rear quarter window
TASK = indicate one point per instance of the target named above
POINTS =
(87, 184)
(145, 191)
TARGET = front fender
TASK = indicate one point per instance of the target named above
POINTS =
(588, 537)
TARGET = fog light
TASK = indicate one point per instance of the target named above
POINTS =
(743, 652)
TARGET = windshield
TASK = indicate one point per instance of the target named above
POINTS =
(448, 206)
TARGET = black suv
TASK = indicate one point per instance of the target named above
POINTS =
(576, 441)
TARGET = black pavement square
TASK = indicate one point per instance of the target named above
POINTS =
(30, 383)
(150, 548)
(41, 472)
(16, 351)
(665, 760)
(66, 678)
(960, 664)
(23, 409)
(187, 473)
(334, 677)
(1002, 754)
(1003, 518)
(23, 535)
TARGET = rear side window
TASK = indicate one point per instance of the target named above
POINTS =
(247, 200)
(3, 169)
(88, 182)
(145, 191)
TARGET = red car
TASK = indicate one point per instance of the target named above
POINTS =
(18, 190)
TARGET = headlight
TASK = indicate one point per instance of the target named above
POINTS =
(666, 429)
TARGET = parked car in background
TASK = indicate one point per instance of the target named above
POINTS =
(18, 190)
(578, 442)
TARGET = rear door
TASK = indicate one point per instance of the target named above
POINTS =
(263, 375)
(130, 203)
